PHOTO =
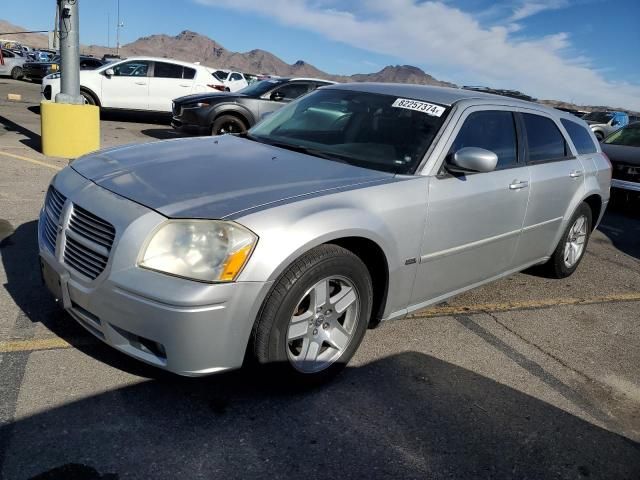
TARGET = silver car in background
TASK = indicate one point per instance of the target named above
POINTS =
(356, 204)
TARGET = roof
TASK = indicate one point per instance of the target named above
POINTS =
(313, 80)
(171, 60)
(427, 93)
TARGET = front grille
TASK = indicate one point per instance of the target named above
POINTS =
(53, 209)
(87, 238)
(47, 92)
(89, 242)
(628, 173)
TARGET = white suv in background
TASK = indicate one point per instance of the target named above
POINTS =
(140, 83)
(230, 81)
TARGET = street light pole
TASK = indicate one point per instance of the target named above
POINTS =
(69, 53)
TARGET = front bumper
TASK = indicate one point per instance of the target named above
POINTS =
(186, 327)
(178, 124)
(625, 185)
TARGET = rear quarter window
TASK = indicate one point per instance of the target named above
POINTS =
(579, 136)
(545, 142)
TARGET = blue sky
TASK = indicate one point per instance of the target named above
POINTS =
(576, 50)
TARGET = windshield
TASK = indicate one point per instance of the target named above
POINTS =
(259, 88)
(598, 117)
(629, 136)
(375, 131)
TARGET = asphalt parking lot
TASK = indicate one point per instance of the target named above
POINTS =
(524, 378)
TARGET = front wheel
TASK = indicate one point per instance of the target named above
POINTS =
(572, 245)
(227, 124)
(88, 98)
(599, 136)
(316, 315)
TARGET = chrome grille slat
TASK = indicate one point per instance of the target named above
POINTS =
(97, 264)
(90, 216)
(89, 235)
(79, 268)
(53, 204)
(103, 232)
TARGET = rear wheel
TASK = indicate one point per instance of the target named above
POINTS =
(572, 245)
(228, 124)
(315, 316)
(599, 136)
(17, 73)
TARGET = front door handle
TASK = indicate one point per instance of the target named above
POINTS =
(185, 85)
(576, 174)
(516, 185)
(141, 83)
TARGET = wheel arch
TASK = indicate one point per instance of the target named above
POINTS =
(237, 111)
(595, 203)
(92, 93)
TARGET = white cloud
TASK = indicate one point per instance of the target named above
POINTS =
(437, 35)
(528, 9)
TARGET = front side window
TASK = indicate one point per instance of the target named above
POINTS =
(291, 91)
(544, 140)
(7, 54)
(167, 70)
(598, 117)
(381, 132)
(131, 69)
(493, 130)
(579, 136)
(235, 77)
(628, 136)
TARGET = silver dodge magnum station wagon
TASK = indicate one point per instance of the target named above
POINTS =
(356, 204)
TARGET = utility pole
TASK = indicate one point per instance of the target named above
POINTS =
(69, 53)
(108, 29)
(119, 25)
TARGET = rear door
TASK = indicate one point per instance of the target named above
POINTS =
(557, 178)
(474, 220)
(128, 87)
(168, 82)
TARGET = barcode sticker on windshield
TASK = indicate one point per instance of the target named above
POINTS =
(424, 107)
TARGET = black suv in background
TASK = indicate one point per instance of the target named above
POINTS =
(218, 113)
(39, 70)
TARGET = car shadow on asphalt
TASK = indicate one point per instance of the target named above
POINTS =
(409, 415)
(33, 139)
(621, 225)
(163, 133)
(405, 416)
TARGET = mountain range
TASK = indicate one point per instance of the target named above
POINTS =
(194, 47)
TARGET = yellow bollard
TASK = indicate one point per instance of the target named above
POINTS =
(69, 131)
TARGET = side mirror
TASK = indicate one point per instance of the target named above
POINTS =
(109, 72)
(473, 159)
(277, 96)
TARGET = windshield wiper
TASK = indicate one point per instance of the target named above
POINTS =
(310, 151)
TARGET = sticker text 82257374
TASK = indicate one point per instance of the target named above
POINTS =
(428, 108)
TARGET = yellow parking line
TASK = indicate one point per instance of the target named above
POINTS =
(526, 305)
(58, 343)
(31, 160)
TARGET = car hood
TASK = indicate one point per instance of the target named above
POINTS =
(209, 96)
(216, 177)
(622, 153)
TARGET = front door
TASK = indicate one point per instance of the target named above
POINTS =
(473, 220)
(128, 87)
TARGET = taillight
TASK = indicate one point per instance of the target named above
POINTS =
(217, 87)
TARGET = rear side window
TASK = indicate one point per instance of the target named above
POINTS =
(167, 70)
(544, 140)
(492, 130)
(579, 136)
(235, 77)
(189, 73)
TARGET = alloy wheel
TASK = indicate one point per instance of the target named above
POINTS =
(323, 324)
(574, 246)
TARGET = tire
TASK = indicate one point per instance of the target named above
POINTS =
(557, 266)
(228, 124)
(599, 136)
(328, 336)
(88, 98)
(17, 73)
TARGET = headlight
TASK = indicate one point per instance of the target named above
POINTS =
(53, 76)
(203, 250)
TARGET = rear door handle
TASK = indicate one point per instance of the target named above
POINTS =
(515, 185)
(576, 174)
(141, 83)
(185, 85)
